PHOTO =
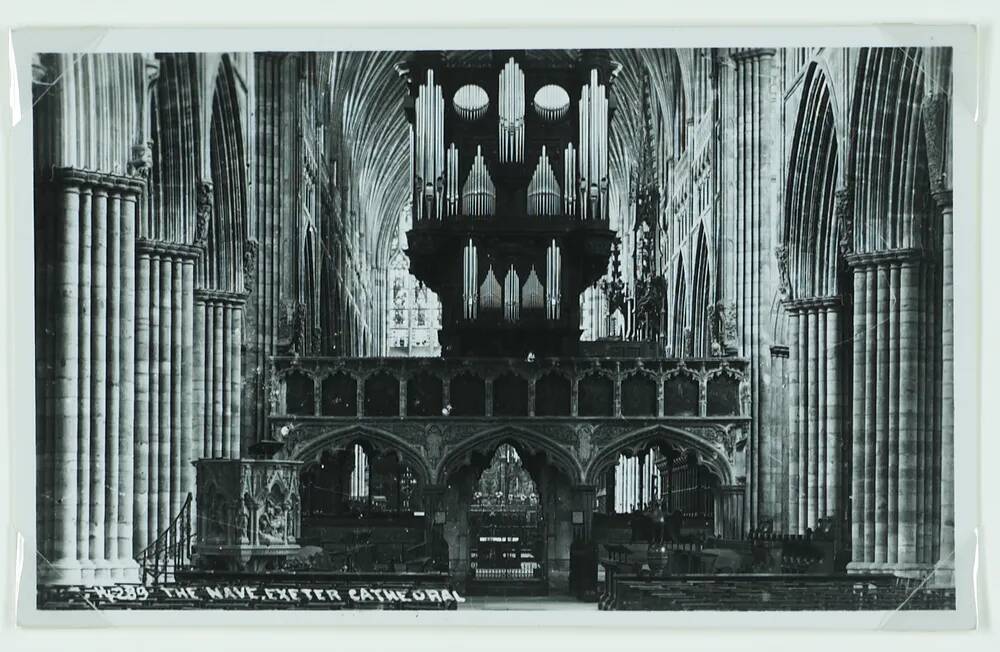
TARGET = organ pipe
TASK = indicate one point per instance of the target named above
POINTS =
(543, 191)
(553, 271)
(532, 295)
(511, 113)
(489, 293)
(451, 195)
(479, 193)
(569, 179)
(428, 149)
(593, 156)
(511, 295)
(470, 287)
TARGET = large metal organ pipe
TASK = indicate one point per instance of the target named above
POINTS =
(593, 145)
(569, 179)
(512, 295)
(470, 284)
(543, 191)
(553, 271)
(635, 482)
(479, 193)
(428, 150)
(451, 178)
(511, 125)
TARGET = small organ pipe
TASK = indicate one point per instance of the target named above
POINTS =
(511, 295)
(553, 267)
(543, 190)
(490, 292)
(478, 193)
(532, 295)
(470, 284)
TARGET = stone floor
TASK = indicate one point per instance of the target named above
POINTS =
(527, 603)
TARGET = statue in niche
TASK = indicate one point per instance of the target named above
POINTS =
(141, 162)
(722, 322)
(205, 202)
(249, 261)
(272, 522)
(784, 281)
(845, 222)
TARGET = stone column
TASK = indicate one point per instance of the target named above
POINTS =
(162, 459)
(870, 439)
(111, 488)
(155, 355)
(219, 449)
(946, 553)
(794, 408)
(98, 383)
(881, 325)
(756, 198)
(433, 503)
(177, 432)
(65, 567)
(228, 382)
(832, 403)
(858, 474)
(803, 412)
(235, 392)
(812, 360)
(140, 503)
(83, 470)
(211, 450)
(190, 442)
(128, 427)
(200, 447)
(909, 308)
(892, 430)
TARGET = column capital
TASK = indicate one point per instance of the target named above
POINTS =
(943, 198)
(70, 176)
(779, 351)
(813, 303)
(746, 54)
(221, 297)
(169, 249)
(902, 256)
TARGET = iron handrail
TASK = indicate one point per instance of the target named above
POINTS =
(171, 549)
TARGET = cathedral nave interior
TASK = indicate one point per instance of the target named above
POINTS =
(530, 319)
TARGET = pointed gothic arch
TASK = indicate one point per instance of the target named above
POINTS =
(679, 320)
(888, 165)
(810, 224)
(222, 268)
(702, 295)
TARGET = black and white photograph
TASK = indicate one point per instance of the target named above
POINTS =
(604, 329)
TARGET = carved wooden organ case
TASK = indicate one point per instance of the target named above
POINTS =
(510, 193)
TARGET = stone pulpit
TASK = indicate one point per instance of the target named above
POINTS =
(248, 513)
